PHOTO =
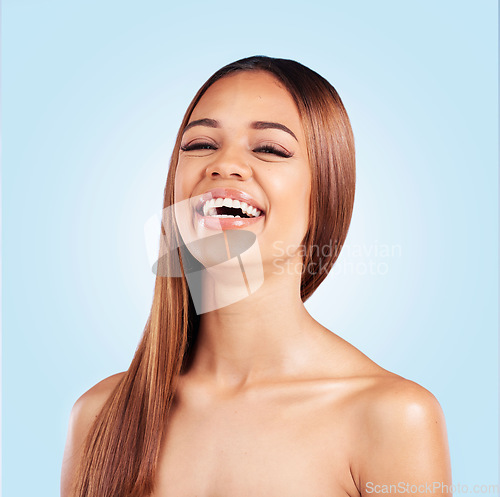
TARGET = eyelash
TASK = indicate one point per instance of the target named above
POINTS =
(268, 148)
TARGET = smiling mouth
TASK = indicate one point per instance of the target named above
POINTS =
(228, 208)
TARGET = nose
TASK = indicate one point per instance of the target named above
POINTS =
(230, 167)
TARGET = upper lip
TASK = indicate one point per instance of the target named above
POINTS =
(226, 192)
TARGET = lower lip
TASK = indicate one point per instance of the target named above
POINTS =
(226, 223)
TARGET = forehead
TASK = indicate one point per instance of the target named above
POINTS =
(248, 96)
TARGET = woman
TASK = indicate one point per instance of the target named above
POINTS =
(243, 393)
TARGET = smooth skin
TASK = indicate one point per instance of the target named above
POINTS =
(274, 404)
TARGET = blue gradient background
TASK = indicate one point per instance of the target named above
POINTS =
(93, 93)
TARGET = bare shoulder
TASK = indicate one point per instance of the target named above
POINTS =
(378, 392)
(85, 410)
(394, 427)
(393, 406)
(88, 405)
(99, 393)
(384, 402)
(400, 435)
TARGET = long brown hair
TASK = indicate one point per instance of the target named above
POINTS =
(122, 447)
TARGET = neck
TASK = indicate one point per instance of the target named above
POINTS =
(264, 336)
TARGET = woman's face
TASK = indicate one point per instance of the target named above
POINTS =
(245, 141)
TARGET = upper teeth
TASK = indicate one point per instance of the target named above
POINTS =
(209, 206)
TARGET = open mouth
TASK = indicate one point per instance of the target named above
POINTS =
(228, 208)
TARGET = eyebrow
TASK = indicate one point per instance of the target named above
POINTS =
(212, 123)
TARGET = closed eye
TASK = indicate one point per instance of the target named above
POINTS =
(265, 149)
(198, 146)
(270, 149)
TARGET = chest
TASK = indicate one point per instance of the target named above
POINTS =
(241, 449)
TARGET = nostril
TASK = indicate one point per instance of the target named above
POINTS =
(215, 174)
(229, 170)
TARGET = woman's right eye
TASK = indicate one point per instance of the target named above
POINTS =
(198, 146)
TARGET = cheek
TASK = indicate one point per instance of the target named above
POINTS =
(183, 183)
(291, 194)
(302, 207)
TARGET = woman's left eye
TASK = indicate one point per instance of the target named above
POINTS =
(270, 149)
